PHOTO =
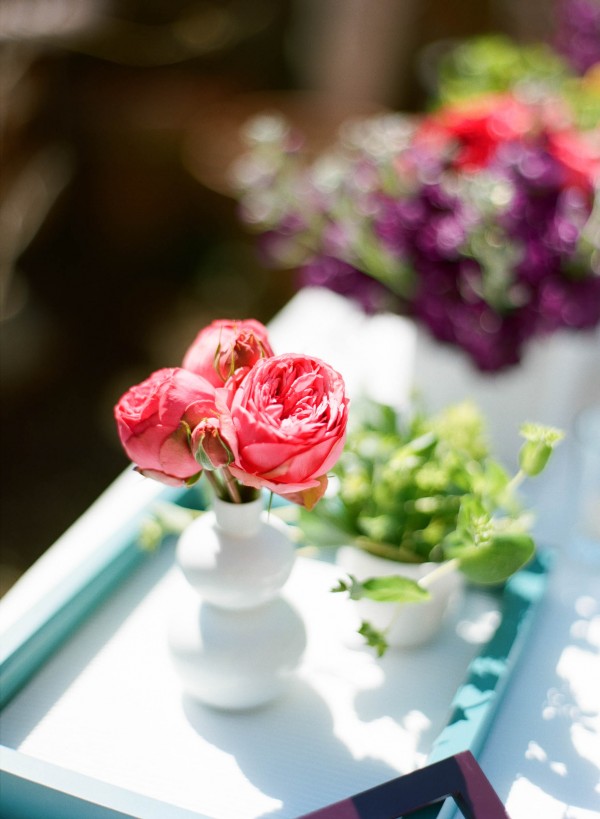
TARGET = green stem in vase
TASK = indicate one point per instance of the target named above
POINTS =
(231, 485)
(214, 482)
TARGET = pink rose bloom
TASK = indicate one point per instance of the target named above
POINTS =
(155, 420)
(290, 416)
(226, 347)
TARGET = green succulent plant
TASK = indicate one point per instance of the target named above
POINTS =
(427, 489)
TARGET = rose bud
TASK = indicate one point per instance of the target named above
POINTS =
(208, 445)
(227, 346)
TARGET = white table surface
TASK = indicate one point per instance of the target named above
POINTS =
(542, 754)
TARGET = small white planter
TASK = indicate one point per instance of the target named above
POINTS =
(406, 624)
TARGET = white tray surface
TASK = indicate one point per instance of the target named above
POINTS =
(109, 705)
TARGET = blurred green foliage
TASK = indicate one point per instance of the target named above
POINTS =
(495, 63)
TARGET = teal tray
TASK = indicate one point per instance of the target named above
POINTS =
(34, 788)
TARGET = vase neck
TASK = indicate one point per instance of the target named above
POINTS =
(238, 518)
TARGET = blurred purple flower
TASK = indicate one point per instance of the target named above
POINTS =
(346, 280)
(578, 33)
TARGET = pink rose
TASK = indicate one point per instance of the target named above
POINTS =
(155, 420)
(290, 416)
(227, 346)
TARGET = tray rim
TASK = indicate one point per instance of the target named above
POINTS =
(27, 782)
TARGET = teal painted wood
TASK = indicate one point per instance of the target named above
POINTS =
(33, 788)
(21, 798)
(28, 645)
(488, 675)
(489, 672)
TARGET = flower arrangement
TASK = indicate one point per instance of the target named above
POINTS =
(480, 219)
(243, 417)
(426, 489)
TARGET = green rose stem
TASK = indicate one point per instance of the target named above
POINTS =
(231, 488)
(231, 485)
(212, 479)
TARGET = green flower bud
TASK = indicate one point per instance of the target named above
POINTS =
(537, 449)
(209, 448)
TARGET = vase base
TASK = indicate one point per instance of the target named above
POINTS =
(235, 660)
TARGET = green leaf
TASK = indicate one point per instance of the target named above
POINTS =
(474, 528)
(471, 514)
(322, 527)
(370, 415)
(394, 589)
(423, 445)
(375, 639)
(381, 528)
(351, 585)
(495, 478)
(498, 559)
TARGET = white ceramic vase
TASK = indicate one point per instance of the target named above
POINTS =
(406, 624)
(235, 640)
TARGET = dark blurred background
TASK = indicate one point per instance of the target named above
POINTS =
(118, 239)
